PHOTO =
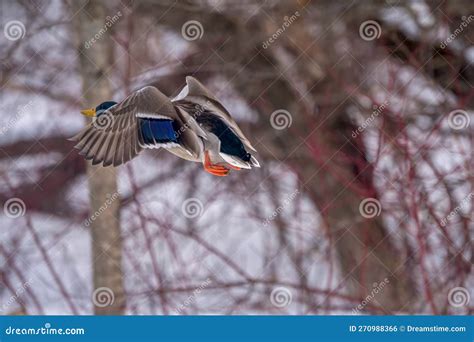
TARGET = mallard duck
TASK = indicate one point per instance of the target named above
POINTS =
(194, 126)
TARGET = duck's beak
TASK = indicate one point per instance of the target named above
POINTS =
(88, 112)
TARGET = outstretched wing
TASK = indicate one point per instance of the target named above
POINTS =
(116, 137)
(196, 93)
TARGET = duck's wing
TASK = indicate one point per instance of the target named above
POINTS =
(195, 92)
(144, 119)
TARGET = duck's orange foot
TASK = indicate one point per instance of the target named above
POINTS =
(214, 169)
(217, 171)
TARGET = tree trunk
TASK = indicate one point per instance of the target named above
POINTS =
(108, 297)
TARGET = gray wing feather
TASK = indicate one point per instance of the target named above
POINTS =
(115, 140)
(197, 90)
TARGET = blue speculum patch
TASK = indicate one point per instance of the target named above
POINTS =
(157, 131)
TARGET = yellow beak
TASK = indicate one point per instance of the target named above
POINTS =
(88, 112)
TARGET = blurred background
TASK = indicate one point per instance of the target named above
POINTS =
(362, 115)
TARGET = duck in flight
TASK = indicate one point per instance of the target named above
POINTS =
(194, 126)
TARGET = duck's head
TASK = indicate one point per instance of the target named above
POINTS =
(100, 109)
